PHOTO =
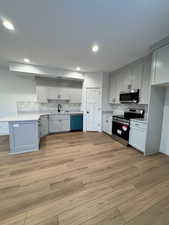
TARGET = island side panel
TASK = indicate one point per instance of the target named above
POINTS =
(24, 136)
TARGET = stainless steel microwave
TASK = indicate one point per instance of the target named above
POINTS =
(131, 96)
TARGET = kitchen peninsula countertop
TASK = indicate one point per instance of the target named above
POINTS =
(32, 116)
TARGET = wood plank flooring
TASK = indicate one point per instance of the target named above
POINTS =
(83, 179)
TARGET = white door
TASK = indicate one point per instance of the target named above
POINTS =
(93, 109)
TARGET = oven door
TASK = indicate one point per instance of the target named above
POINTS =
(121, 130)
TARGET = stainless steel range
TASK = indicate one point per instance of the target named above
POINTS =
(121, 123)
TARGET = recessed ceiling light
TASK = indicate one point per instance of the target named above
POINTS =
(78, 68)
(8, 24)
(26, 60)
(95, 48)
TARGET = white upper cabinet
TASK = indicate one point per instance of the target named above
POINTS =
(53, 93)
(62, 90)
(64, 93)
(42, 94)
(125, 79)
(136, 75)
(75, 95)
(145, 83)
(113, 97)
(58, 93)
(160, 66)
(133, 76)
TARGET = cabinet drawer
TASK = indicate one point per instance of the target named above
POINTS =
(59, 117)
(139, 125)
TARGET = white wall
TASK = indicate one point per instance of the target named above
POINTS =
(92, 80)
(164, 147)
(14, 88)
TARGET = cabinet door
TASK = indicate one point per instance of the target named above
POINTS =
(52, 93)
(161, 66)
(75, 95)
(59, 123)
(113, 89)
(104, 123)
(65, 125)
(42, 94)
(64, 93)
(145, 86)
(124, 79)
(107, 124)
(137, 138)
(136, 75)
(111, 100)
(54, 126)
(119, 85)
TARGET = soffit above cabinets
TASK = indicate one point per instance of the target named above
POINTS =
(42, 71)
(53, 82)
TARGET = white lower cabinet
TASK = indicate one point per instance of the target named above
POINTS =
(59, 123)
(138, 133)
(107, 123)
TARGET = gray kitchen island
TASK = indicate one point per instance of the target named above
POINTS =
(25, 130)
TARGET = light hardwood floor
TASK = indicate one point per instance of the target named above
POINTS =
(83, 179)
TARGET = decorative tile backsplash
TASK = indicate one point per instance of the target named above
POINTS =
(47, 107)
(73, 107)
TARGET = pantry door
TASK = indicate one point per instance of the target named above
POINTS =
(93, 109)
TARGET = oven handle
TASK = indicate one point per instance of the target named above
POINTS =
(123, 123)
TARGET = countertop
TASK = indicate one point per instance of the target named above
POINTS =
(32, 116)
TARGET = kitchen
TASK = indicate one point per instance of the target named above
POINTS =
(84, 103)
(131, 80)
(60, 102)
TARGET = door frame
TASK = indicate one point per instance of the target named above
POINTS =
(85, 109)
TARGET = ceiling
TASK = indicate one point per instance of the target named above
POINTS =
(60, 33)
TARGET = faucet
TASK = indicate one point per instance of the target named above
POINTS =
(59, 107)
